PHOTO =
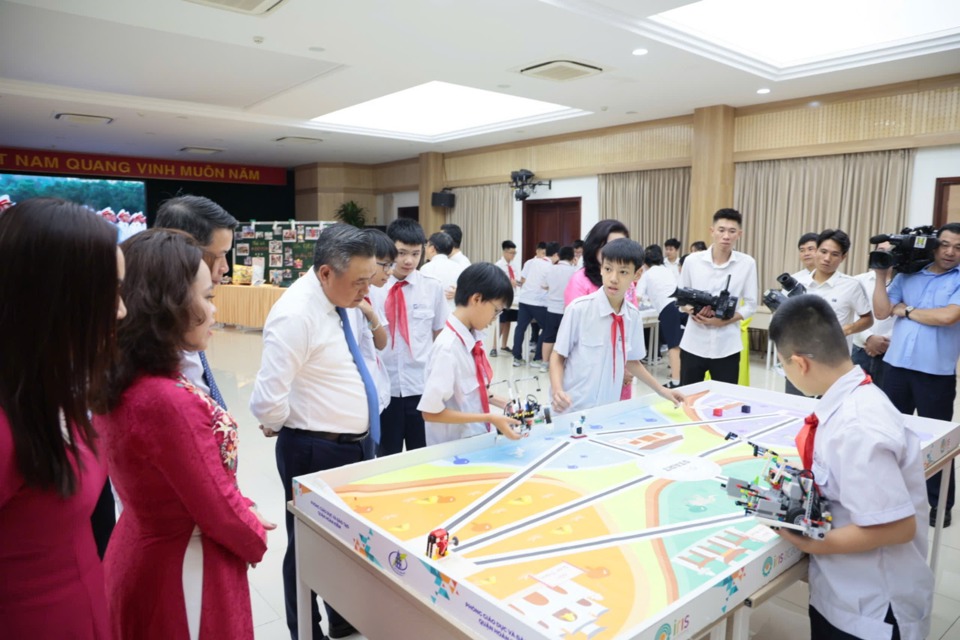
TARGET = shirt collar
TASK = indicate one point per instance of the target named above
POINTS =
(708, 257)
(469, 337)
(325, 303)
(831, 282)
(838, 392)
(411, 279)
(603, 306)
(440, 257)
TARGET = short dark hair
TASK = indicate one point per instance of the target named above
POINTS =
(672, 242)
(455, 233)
(508, 244)
(338, 244)
(837, 236)
(623, 251)
(442, 242)
(728, 214)
(552, 248)
(808, 325)
(158, 292)
(952, 227)
(541, 246)
(653, 255)
(566, 253)
(383, 246)
(578, 244)
(195, 215)
(57, 347)
(596, 238)
(484, 278)
(406, 231)
(807, 237)
(699, 245)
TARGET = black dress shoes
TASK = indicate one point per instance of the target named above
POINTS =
(947, 518)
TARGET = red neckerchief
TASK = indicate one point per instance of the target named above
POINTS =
(482, 367)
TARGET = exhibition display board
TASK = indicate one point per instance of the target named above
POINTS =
(283, 250)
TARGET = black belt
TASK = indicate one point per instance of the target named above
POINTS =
(339, 438)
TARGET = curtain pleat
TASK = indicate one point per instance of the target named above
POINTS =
(485, 214)
(655, 205)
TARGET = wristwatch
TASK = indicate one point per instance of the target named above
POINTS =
(906, 312)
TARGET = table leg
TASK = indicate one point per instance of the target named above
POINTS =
(938, 530)
(740, 627)
(719, 631)
(304, 621)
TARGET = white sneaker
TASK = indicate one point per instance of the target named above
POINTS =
(544, 368)
(517, 363)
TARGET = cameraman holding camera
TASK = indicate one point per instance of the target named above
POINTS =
(925, 343)
(710, 343)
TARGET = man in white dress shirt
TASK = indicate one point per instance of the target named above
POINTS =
(310, 388)
(505, 263)
(441, 267)
(710, 343)
(456, 233)
(671, 256)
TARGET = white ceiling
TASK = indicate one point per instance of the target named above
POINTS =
(174, 74)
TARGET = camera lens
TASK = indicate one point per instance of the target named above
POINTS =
(880, 260)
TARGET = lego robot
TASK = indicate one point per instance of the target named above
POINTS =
(527, 411)
(782, 496)
(439, 542)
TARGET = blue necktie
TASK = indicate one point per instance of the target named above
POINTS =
(208, 378)
(373, 399)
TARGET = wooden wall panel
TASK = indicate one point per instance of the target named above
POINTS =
(397, 176)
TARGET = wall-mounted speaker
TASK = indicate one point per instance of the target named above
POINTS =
(445, 199)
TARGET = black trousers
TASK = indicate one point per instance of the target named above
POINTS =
(527, 313)
(401, 422)
(874, 365)
(298, 454)
(931, 397)
(104, 518)
(694, 368)
(821, 629)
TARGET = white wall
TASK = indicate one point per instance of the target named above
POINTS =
(928, 165)
(586, 188)
(400, 199)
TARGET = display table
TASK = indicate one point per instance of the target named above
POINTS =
(625, 533)
(244, 305)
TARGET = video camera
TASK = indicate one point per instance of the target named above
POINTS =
(723, 304)
(912, 250)
(789, 288)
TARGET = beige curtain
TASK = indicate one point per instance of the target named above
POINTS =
(485, 214)
(655, 205)
(862, 193)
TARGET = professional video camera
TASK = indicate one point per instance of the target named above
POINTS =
(723, 304)
(773, 298)
(912, 250)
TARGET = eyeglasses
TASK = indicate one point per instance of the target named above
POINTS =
(778, 365)
(386, 266)
(496, 310)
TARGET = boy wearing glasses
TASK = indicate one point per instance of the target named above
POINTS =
(456, 402)
(416, 311)
(600, 336)
(869, 576)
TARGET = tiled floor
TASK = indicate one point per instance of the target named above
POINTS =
(235, 357)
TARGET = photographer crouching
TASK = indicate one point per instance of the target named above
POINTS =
(925, 343)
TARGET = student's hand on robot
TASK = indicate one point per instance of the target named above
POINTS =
(561, 401)
(269, 433)
(505, 425)
(800, 541)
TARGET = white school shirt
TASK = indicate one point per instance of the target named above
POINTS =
(371, 356)
(451, 382)
(673, 267)
(446, 270)
(699, 272)
(533, 274)
(657, 283)
(503, 265)
(869, 465)
(461, 259)
(555, 281)
(426, 312)
(882, 328)
(844, 294)
(192, 370)
(308, 379)
(592, 373)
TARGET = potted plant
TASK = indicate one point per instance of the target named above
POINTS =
(351, 213)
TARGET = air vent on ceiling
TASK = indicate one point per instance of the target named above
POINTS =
(201, 151)
(561, 70)
(298, 140)
(249, 7)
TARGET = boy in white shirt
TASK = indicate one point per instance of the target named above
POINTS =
(440, 266)
(456, 234)
(671, 255)
(555, 284)
(505, 263)
(869, 576)
(456, 401)
(533, 300)
(416, 311)
(600, 336)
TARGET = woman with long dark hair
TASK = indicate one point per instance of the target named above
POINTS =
(587, 279)
(186, 535)
(60, 270)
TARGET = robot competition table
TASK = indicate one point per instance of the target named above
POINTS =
(624, 530)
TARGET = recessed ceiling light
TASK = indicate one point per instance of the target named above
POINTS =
(81, 118)
(763, 91)
(203, 151)
(640, 52)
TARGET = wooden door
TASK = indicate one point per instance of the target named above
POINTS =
(556, 220)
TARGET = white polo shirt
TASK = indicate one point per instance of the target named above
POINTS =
(451, 382)
(882, 328)
(845, 295)
(673, 267)
(593, 372)
(657, 283)
(461, 259)
(699, 272)
(446, 271)
(308, 379)
(371, 356)
(555, 281)
(533, 274)
(869, 465)
(426, 312)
